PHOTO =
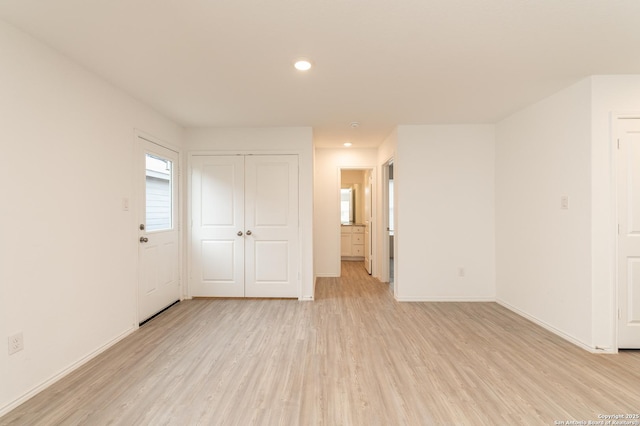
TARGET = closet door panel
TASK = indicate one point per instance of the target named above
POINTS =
(218, 217)
(271, 220)
(272, 262)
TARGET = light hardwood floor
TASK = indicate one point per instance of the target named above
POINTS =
(352, 357)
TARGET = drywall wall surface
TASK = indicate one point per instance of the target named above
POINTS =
(444, 189)
(543, 248)
(68, 252)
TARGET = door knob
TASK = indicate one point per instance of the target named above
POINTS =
(239, 233)
(248, 232)
(143, 239)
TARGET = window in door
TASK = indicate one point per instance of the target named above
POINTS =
(158, 194)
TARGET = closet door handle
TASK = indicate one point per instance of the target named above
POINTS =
(239, 233)
(248, 232)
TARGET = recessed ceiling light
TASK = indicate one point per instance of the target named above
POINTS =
(347, 144)
(302, 65)
(354, 124)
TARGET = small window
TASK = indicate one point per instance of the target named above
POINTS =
(158, 194)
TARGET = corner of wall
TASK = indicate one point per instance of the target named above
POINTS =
(544, 252)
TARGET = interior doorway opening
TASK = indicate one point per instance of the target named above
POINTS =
(357, 218)
(389, 222)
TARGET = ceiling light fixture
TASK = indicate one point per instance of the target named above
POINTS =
(347, 144)
(354, 124)
(302, 65)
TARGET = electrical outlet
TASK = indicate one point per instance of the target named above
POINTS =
(16, 343)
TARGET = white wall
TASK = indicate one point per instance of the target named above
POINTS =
(563, 145)
(543, 252)
(68, 251)
(290, 140)
(611, 95)
(328, 162)
(444, 184)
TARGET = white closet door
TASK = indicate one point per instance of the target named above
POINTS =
(271, 223)
(629, 234)
(218, 226)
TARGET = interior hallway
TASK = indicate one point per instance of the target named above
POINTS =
(354, 357)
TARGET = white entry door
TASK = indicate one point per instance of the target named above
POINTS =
(245, 226)
(629, 234)
(159, 254)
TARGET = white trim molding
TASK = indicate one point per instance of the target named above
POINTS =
(66, 371)
(445, 299)
(557, 332)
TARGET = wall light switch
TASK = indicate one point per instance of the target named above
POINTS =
(125, 204)
(564, 202)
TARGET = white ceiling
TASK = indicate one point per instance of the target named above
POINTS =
(379, 62)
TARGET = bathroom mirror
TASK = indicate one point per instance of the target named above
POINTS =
(347, 204)
(351, 196)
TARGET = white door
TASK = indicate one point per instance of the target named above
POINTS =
(217, 249)
(271, 223)
(629, 234)
(245, 226)
(368, 208)
(159, 254)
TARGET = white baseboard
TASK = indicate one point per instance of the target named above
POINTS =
(445, 299)
(554, 330)
(39, 388)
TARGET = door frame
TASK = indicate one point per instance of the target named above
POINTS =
(373, 229)
(615, 135)
(188, 198)
(139, 187)
(385, 276)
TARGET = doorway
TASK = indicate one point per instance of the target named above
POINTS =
(357, 218)
(388, 208)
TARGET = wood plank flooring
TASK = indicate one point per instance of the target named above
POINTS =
(352, 357)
